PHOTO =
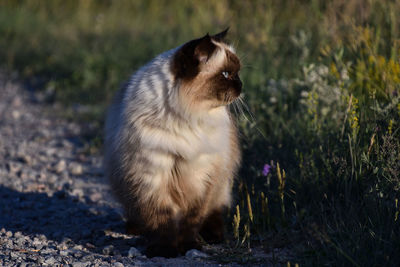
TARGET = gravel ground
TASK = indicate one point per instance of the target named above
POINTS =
(55, 207)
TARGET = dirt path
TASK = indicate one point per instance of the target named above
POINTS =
(56, 208)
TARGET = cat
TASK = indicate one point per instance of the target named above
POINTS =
(171, 145)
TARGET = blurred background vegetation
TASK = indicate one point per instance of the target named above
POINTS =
(320, 134)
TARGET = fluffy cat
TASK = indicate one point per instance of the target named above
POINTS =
(171, 146)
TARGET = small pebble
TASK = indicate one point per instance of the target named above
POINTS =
(17, 234)
(78, 247)
(13, 255)
(60, 166)
(134, 252)
(194, 253)
(75, 168)
(77, 192)
(64, 252)
(79, 264)
(51, 261)
(16, 114)
(108, 250)
(95, 197)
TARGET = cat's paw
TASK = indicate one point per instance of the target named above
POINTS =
(212, 230)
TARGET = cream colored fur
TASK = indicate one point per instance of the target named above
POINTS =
(167, 149)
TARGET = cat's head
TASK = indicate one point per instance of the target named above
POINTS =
(207, 71)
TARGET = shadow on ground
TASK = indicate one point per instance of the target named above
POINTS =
(62, 218)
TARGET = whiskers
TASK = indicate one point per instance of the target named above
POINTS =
(240, 108)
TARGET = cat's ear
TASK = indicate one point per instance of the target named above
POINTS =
(204, 49)
(189, 57)
(219, 37)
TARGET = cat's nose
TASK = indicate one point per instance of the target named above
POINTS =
(237, 88)
(238, 81)
(240, 85)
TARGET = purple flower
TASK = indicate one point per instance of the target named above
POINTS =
(266, 169)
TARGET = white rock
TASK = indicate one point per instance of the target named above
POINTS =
(75, 168)
(108, 250)
(64, 252)
(77, 192)
(16, 114)
(95, 197)
(60, 166)
(134, 252)
(194, 253)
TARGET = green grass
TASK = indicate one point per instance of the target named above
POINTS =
(321, 79)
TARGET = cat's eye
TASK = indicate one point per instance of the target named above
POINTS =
(225, 74)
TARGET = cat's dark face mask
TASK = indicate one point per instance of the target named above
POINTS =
(208, 71)
(225, 84)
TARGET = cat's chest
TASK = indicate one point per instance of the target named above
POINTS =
(206, 140)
